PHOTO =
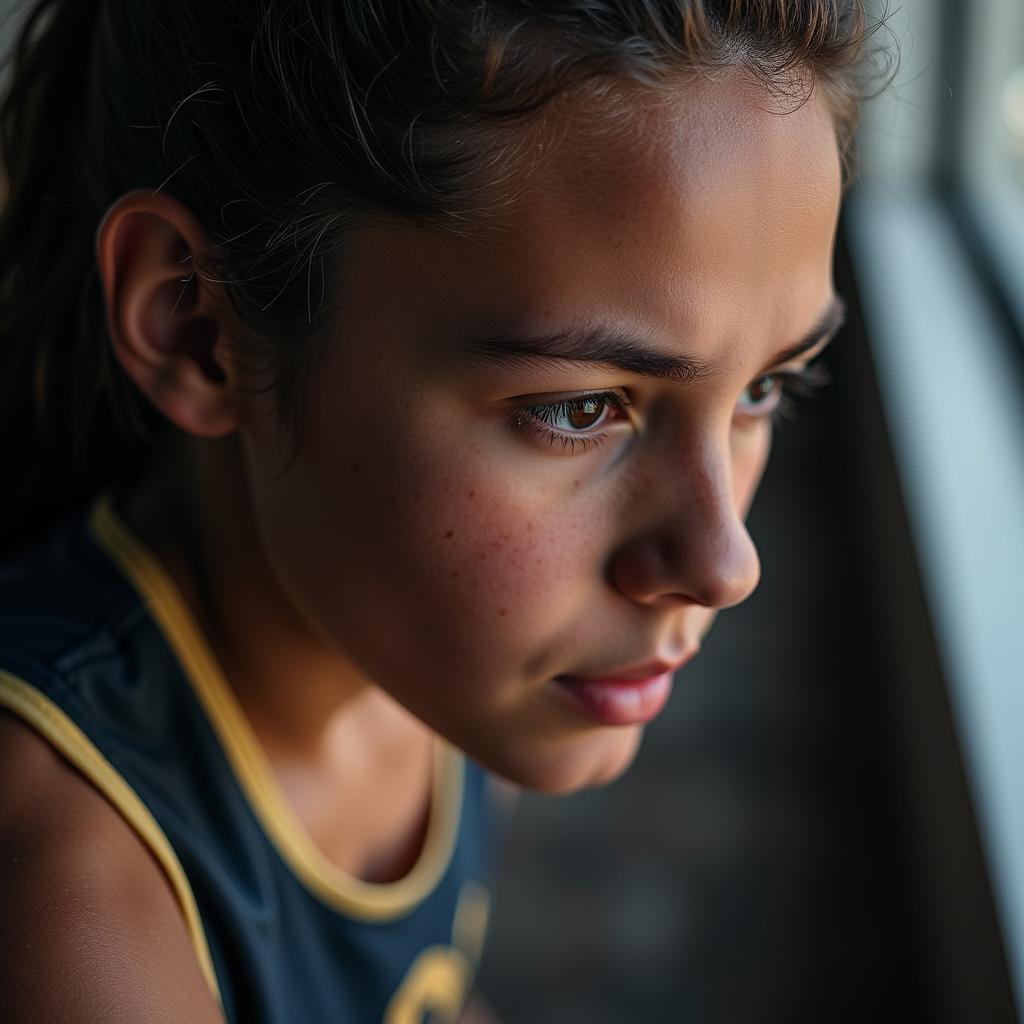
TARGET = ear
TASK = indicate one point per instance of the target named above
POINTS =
(168, 326)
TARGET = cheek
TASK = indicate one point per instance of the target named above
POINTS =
(495, 555)
(415, 530)
(480, 534)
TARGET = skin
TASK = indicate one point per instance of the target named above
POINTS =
(92, 930)
(425, 562)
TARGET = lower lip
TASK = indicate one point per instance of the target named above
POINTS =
(616, 701)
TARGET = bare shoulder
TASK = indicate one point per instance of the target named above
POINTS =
(91, 930)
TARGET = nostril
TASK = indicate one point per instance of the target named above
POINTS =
(688, 567)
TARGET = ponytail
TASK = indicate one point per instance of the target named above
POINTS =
(53, 356)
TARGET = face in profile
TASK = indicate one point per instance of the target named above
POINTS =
(520, 492)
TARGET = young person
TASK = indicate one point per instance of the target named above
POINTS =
(385, 386)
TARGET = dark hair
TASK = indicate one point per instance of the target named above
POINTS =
(283, 126)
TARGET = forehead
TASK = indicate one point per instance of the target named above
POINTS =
(711, 188)
(694, 212)
(715, 147)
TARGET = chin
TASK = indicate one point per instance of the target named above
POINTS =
(590, 764)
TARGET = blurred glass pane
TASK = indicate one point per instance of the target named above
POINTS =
(992, 94)
(1013, 109)
(990, 150)
(901, 133)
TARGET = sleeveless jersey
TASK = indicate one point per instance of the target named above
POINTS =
(101, 656)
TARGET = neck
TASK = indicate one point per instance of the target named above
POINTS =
(196, 515)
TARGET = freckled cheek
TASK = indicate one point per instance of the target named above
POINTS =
(476, 551)
(496, 553)
(499, 562)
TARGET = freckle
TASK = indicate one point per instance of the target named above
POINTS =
(453, 575)
(503, 612)
(482, 557)
(472, 494)
(355, 468)
(575, 483)
(448, 535)
(529, 527)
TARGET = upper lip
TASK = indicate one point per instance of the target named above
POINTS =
(646, 670)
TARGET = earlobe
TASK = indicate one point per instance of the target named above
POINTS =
(166, 322)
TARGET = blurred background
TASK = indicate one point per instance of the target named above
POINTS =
(827, 824)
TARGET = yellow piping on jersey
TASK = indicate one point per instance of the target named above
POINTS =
(371, 901)
(469, 927)
(38, 711)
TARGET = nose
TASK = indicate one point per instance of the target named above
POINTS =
(692, 546)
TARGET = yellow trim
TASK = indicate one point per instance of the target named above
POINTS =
(369, 900)
(469, 926)
(38, 711)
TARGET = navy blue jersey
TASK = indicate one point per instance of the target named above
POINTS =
(101, 656)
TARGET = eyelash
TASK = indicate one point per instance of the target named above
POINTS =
(797, 384)
(537, 419)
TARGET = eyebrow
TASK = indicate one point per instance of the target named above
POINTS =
(628, 352)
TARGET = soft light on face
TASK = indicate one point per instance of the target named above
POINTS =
(467, 524)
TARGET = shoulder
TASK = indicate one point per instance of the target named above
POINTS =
(77, 647)
(94, 903)
(92, 929)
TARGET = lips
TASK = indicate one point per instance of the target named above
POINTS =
(643, 670)
(648, 670)
(626, 696)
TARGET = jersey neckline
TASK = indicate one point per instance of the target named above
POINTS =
(373, 901)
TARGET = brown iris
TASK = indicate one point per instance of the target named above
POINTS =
(586, 412)
(762, 389)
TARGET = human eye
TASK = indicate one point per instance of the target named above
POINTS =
(772, 396)
(574, 423)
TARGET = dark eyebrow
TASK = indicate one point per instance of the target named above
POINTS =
(624, 351)
(585, 345)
